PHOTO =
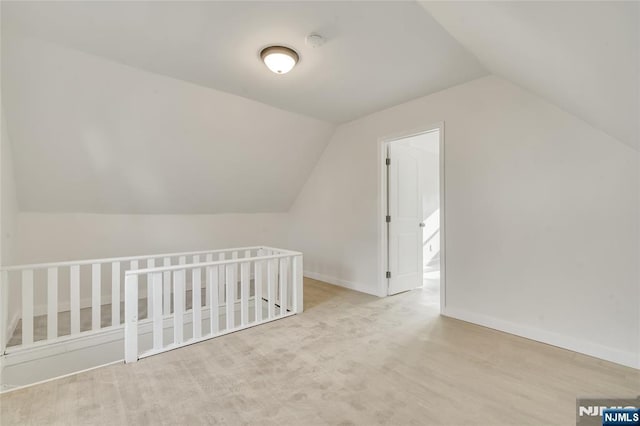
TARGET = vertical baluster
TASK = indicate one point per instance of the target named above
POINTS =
(115, 293)
(178, 306)
(212, 285)
(151, 263)
(297, 275)
(244, 292)
(155, 282)
(257, 287)
(222, 290)
(208, 258)
(284, 266)
(234, 270)
(230, 300)
(166, 279)
(52, 303)
(131, 317)
(271, 288)
(196, 299)
(74, 298)
(134, 266)
(95, 296)
(27, 307)
(4, 310)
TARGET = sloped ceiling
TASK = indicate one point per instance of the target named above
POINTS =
(91, 135)
(377, 54)
(164, 107)
(583, 56)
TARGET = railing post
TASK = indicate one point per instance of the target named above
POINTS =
(131, 318)
(4, 311)
(27, 307)
(155, 283)
(298, 304)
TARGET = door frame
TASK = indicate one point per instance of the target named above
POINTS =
(383, 143)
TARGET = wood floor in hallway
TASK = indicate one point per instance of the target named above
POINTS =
(348, 359)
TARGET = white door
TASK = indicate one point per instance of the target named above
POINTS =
(404, 224)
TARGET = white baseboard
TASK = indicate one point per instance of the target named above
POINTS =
(629, 359)
(342, 283)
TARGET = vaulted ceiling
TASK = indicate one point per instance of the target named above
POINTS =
(91, 135)
(165, 107)
(582, 56)
(376, 55)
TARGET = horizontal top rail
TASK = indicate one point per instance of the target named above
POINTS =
(213, 263)
(124, 259)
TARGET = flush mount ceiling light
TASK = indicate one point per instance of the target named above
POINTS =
(279, 59)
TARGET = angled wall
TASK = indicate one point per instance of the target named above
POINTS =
(583, 56)
(112, 161)
(94, 136)
(541, 216)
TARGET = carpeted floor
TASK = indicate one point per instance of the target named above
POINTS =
(349, 358)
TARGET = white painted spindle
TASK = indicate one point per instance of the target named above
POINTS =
(208, 258)
(74, 298)
(134, 266)
(271, 287)
(52, 303)
(234, 269)
(196, 299)
(155, 282)
(151, 263)
(222, 289)
(95, 296)
(4, 310)
(257, 285)
(244, 292)
(27, 307)
(115, 293)
(230, 301)
(131, 318)
(298, 283)
(284, 266)
(166, 279)
(212, 292)
(178, 306)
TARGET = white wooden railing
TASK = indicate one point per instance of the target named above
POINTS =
(251, 287)
(75, 292)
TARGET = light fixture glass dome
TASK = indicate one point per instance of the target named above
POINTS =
(279, 59)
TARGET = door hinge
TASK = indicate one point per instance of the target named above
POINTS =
(388, 161)
(388, 274)
(388, 219)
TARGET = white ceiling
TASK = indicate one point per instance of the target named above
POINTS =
(582, 56)
(378, 54)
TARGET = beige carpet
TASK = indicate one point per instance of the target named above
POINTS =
(349, 359)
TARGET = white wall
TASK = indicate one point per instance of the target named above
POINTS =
(46, 237)
(541, 216)
(95, 136)
(8, 201)
(51, 237)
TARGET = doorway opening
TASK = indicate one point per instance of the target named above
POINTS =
(413, 223)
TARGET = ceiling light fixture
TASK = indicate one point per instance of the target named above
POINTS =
(279, 59)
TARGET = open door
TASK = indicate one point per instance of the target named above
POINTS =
(404, 218)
